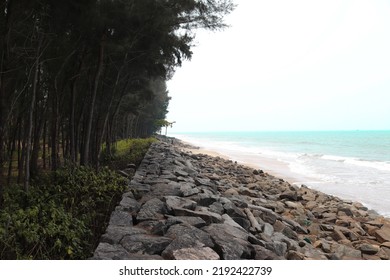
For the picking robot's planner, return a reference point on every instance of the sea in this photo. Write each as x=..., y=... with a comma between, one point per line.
x=352, y=165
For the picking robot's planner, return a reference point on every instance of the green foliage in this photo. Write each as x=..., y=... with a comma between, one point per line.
x=62, y=216
x=139, y=44
x=65, y=212
x=162, y=123
x=127, y=151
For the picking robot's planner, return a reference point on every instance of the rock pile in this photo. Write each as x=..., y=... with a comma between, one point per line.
x=192, y=206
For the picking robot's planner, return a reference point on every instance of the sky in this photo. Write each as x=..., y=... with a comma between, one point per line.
x=288, y=65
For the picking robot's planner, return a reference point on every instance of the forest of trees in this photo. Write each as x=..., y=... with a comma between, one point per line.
x=78, y=75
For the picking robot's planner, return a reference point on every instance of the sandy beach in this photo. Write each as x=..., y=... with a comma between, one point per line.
x=271, y=166
x=323, y=168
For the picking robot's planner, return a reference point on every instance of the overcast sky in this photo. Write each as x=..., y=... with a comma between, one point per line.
x=288, y=65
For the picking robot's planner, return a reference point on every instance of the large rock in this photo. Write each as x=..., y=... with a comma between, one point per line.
x=289, y=195
x=195, y=234
x=203, y=181
x=386, y=244
x=287, y=231
x=183, y=243
x=195, y=253
x=193, y=221
x=231, y=222
x=161, y=227
x=163, y=189
x=204, y=199
x=190, y=168
x=261, y=253
x=180, y=172
x=230, y=242
x=232, y=210
x=121, y=218
x=153, y=209
x=279, y=226
x=293, y=205
x=269, y=217
x=167, y=175
x=129, y=204
x=231, y=192
x=114, y=234
x=386, y=253
x=153, y=168
x=338, y=235
x=280, y=237
x=311, y=253
x=345, y=210
x=207, y=216
x=294, y=255
x=188, y=189
x=106, y=251
x=326, y=227
x=243, y=222
x=179, y=202
x=369, y=249
x=383, y=235
x=279, y=248
x=247, y=192
x=217, y=207
x=268, y=229
x=343, y=252
x=145, y=244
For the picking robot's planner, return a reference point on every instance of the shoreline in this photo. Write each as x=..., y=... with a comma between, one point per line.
x=276, y=168
x=263, y=164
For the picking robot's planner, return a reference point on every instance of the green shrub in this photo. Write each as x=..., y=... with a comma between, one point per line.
x=65, y=212
x=61, y=217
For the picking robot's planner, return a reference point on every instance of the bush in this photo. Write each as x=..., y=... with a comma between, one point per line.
x=65, y=212
x=61, y=217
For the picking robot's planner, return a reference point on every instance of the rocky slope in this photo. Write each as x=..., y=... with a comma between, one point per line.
x=191, y=206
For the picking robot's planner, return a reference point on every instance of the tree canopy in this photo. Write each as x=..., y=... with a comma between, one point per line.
x=76, y=74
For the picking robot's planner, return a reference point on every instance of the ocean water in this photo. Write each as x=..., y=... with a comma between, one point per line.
x=353, y=165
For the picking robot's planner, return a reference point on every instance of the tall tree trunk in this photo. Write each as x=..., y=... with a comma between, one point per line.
x=30, y=118
x=72, y=117
x=54, y=128
x=79, y=131
x=63, y=141
x=99, y=69
x=105, y=130
x=108, y=141
x=2, y=121
x=136, y=126
x=53, y=132
x=21, y=154
x=72, y=123
x=44, y=144
x=12, y=151
x=4, y=37
x=39, y=123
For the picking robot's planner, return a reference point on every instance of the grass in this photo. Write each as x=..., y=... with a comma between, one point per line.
x=127, y=151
